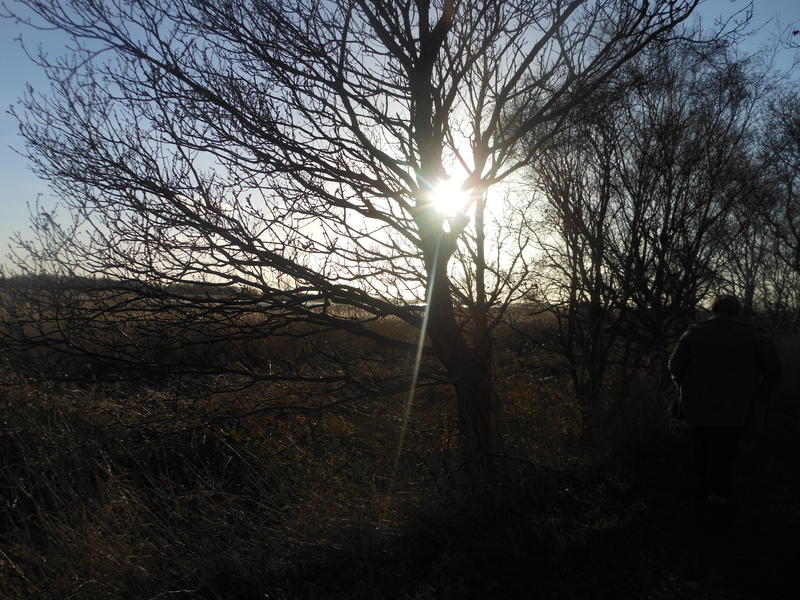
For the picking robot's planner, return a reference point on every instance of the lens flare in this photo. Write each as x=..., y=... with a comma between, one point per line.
x=449, y=198
x=413, y=384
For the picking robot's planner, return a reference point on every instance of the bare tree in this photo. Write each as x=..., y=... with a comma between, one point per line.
x=294, y=149
x=781, y=158
x=577, y=199
x=636, y=194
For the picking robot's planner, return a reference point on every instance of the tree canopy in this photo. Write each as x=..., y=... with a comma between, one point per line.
x=295, y=149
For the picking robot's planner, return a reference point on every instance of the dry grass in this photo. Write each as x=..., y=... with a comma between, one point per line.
x=120, y=491
x=129, y=491
x=124, y=492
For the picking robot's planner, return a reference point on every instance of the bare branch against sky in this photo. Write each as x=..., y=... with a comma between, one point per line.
x=21, y=186
x=298, y=150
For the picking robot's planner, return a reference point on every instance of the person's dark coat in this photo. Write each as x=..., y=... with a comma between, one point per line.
x=723, y=366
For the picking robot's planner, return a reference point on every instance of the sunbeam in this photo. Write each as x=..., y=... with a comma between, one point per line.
x=414, y=377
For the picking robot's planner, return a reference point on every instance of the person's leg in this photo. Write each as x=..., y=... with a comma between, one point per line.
x=716, y=464
x=725, y=452
x=723, y=443
x=701, y=460
x=703, y=529
x=720, y=511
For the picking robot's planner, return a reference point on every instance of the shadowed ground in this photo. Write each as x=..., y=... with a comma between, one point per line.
x=631, y=529
x=106, y=512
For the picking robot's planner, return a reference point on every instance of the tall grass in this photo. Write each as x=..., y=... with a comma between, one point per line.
x=129, y=490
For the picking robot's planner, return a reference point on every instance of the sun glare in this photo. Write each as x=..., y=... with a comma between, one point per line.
x=449, y=198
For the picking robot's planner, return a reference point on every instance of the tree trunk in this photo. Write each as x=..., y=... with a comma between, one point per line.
x=474, y=393
x=471, y=373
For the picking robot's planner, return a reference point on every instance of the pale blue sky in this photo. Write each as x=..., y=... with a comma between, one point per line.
x=19, y=186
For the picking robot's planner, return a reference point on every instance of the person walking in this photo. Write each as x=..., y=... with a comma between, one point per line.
x=724, y=368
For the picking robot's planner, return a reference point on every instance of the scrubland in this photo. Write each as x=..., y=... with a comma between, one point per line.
x=180, y=488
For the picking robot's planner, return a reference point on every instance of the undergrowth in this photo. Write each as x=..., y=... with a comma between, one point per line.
x=122, y=491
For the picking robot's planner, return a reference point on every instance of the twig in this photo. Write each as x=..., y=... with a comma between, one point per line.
x=14, y=566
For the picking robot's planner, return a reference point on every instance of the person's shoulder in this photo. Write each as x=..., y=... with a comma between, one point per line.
x=745, y=329
x=693, y=330
x=728, y=321
x=720, y=327
x=700, y=326
x=691, y=327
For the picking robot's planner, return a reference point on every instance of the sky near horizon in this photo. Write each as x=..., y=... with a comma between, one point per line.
x=19, y=187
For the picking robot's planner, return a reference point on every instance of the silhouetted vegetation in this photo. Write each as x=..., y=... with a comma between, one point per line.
x=297, y=150
x=206, y=386
x=131, y=490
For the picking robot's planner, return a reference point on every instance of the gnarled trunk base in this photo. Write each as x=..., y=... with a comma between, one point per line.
x=474, y=394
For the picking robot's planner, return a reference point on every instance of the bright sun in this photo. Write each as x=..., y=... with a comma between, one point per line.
x=449, y=198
